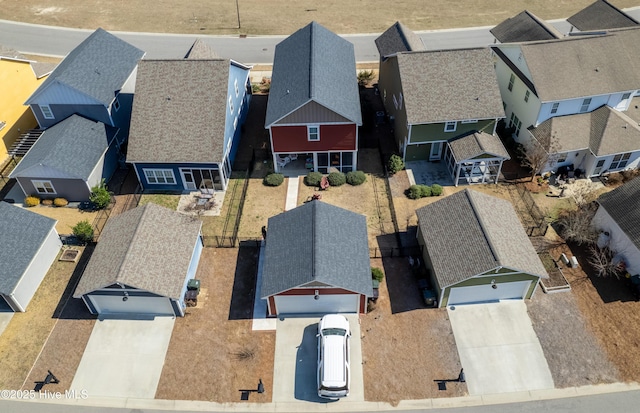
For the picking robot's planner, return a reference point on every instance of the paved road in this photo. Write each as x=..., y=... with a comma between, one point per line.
x=56, y=41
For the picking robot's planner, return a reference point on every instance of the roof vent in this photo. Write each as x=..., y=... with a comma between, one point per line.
x=597, y=69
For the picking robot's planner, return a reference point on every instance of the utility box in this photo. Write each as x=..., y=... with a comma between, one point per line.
x=574, y=262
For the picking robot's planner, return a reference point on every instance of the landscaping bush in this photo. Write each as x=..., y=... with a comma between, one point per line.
x=336, y=179
x=83, y=231
x=60, y=202
x=273, y=180
x=313, y=179
x=31, y=201
x=47, y=202
x=425, y=191
x=377, y=274
x=395, y=164
x=364, y=77
x=100, y=196
x=436, y=190
x=414, y=192
x=356, y=178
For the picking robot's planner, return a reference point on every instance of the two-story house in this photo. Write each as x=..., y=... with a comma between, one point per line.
x=186, y=121
x=601, y=15
x=313, y=111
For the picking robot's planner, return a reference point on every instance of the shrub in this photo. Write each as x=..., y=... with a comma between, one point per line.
x=425, y=191
x=356, y=178
x=336, y=179
x=100, y=196
x=31, y=201
x=395, y=164
x=83, y=231
x=364, y=77
x=436, y=190
x=414, y=192
x=377, y=274
x=47, y=202
x=60, y=202
x=273, y=180
x=313, y=179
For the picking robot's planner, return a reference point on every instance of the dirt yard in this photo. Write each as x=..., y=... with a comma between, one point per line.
x=67, y=217
x=280, y=16
x=261, y=203
x=213, y=353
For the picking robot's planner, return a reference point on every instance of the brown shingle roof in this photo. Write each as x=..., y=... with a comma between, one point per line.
x=148, y=248
x=524, y=27
x=449, y=85
x=200, y=50
x=601, y=15
x=476, y=144
x=398, y=38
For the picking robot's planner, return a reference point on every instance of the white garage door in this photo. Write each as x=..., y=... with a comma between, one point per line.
x=106, y=304
x=483, y=293
x=325, y=304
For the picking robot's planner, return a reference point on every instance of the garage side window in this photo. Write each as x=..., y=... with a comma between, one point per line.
x=159, y=176
x=44, y=187
x=47, y=112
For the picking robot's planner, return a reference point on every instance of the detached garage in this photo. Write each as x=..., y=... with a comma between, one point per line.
x=477, y=250
x=30, y=243
x=142, y=263
x=316, y=262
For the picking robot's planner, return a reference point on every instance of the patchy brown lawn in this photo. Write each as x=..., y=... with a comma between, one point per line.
x=213, y=352
x=406, y=348
x=212, y=226
x=280, y=16
x=261, y=203
x=67, y=217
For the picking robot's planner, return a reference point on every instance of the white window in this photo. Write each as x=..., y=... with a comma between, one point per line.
x=313, y=133
x=231, y=104
x=512, y=79
x=585, y=105
x=554, y=107
x=46, y=112
x=470, y=121
x=620, y=161
x=116, y=104
x=235, y=86
x=526, y=96
x=450, y=126
x=159, y=176
x=395, y=101
x=44, y=187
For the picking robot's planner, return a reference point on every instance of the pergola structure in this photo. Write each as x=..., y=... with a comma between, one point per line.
x=475, y=158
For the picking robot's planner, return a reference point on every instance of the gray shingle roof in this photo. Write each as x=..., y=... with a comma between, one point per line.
x=179, y=111
x=398, y=38
x=524, y=27
x=314, y=64
x=601, y=15
x=623, y=205
x=200, y=50
x=317, y=242
x=148, y=248
x=476, y=144
x=576, y=67
x=469, y=233
x=605, y=131
x=97, y=67
x=22, y=233
x=448, y=85
x=73, y=147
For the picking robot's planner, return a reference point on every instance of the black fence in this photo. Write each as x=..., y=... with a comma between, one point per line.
x=537, y=225
x=390, y=252
x=101, y=219
x=6, y=170
x=222, y=241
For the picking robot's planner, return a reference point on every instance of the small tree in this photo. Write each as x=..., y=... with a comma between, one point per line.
x=602, y=260
x=100, y=196
x=576, y=226
x=364, y=77
x=538, y=153
x=377, y=274
x=395, y=164
x=83, y=231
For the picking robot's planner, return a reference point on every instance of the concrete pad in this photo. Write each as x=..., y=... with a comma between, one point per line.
x=498, y=348
x=292, y=193
x=124, y=358
x=296, y=361
x=429, y=173
x=260, y=320
x=5, y=318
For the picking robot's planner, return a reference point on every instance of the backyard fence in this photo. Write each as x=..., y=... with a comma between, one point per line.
x=391, y=252
x=536, y=225
x=101, y=219
x=222, y=241
x=6, y=170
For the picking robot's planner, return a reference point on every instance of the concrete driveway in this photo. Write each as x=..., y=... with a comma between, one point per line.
x=124, y=358
x=498, y=349
x=296, y=360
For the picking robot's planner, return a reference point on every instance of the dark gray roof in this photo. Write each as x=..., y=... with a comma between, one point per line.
x=179, y=111
x=605, y=131
x=575, y=67
x=98, y=67
x=623, y=205
x=476, y=144
x=601, y=15
x=314, y=64
x=524, y=27
x=317, y=242
x=398, y=38
x=22, y=233
x=72, y=147
x=148, y=248
x=469, y=233
x=200, y=50
x=432, y=81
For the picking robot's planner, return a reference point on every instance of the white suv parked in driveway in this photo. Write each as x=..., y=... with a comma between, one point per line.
x=334, y=372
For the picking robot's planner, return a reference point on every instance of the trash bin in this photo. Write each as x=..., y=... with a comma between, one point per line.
x=193, y=285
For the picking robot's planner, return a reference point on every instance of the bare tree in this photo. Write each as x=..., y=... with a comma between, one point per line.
x=539, y=152
x=601, y=259
x=575, y=225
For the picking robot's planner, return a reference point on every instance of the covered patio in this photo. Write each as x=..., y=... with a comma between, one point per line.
x=475, y=158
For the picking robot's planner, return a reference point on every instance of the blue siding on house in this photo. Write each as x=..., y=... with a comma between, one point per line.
x=175, y=167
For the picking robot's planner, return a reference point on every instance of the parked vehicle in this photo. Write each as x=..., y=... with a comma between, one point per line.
x=428, y=294
x=334, y=371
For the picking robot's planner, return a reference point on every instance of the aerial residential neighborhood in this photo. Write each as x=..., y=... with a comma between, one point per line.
x=429, y=227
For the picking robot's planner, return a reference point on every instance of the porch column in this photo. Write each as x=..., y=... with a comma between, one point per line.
x=458, y=167
x=499, y=169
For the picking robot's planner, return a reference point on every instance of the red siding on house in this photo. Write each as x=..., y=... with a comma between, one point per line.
x=332, y=138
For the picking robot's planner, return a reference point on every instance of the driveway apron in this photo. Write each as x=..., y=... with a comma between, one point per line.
x=498, y=348
x=124, y=358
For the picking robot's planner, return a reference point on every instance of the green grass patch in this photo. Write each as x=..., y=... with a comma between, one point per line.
x=167, y=201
